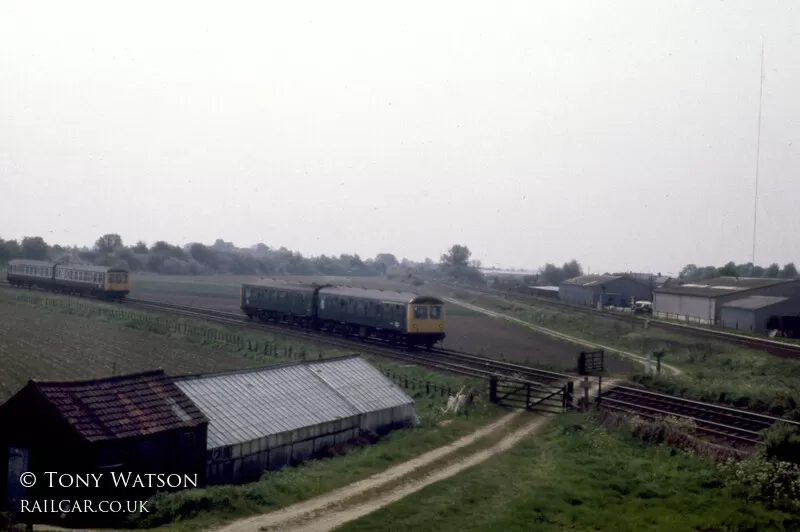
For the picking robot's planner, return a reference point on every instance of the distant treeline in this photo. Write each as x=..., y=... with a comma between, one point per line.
x=692, y=272
x=224, y=257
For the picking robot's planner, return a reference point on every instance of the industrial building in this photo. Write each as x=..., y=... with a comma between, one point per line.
x=703, y=301
x=603, y=290
x=266, y=418
x=139, y=423
x=758, y=314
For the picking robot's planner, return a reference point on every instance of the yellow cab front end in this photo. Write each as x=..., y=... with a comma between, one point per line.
x=117, y=284
x=427, y=323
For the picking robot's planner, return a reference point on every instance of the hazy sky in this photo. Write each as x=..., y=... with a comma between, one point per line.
x=622, y=134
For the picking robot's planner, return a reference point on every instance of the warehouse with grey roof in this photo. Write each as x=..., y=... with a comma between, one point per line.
x=758, y=314
x=266, y=418
x=603, y=290
x=703, y=301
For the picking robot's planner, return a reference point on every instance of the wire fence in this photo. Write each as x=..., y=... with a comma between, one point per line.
x=425, y=388
x=260, y=349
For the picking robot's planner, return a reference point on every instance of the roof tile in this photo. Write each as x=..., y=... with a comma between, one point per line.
x=122, y=407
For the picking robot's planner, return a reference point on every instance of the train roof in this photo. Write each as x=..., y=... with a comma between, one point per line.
x=91, y=268
x=383, y=295
x=294, y=286
x=28, y=262
x=71, y=266
x=349, y=291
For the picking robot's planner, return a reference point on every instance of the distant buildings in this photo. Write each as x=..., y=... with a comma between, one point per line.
x=703, y=301
x=604, y=290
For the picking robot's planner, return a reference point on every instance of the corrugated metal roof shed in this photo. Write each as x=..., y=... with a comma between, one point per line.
x=121, y=407
x=721, y=286
x=249, y=404
x=591, y=280
x=360, y=383
x=755, y=302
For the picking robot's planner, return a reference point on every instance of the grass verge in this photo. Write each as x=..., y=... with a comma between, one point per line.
x=577, y=475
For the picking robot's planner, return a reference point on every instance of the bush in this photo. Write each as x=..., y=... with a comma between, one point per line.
x=775, y=483
x=782, y=443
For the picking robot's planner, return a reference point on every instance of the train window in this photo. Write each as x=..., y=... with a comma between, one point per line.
x=420, y=312
x=436, y=313
x=102, y=278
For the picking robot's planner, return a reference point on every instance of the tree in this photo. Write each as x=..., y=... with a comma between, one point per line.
x=572, y=269
x=34, y=247
x=108, y=243
x=386, y=258
x=140, y=247
x=688, y=272
x=772, y=271
x=729, y=270
x=789, y=271
x=204, y=255
x=458, y=255
x=167, y=250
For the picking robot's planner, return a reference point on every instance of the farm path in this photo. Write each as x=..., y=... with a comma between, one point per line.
x=361, y=498
x=580, y=341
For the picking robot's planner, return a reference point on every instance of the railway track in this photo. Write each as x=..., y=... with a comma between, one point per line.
x=730, y=426
x=444, y=359
x=776, y=348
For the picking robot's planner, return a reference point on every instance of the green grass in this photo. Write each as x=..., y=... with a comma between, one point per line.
x=713, y=371
x=195, y=509
x=576, y=475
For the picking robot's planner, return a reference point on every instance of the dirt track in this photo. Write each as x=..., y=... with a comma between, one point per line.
x=359, y=499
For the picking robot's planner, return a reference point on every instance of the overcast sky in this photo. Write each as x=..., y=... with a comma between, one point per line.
x=622, y=134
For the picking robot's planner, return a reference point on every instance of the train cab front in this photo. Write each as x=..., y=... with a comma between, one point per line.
x=426, y=321
x=118, y=284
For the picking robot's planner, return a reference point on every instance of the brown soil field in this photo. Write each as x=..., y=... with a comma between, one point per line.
x=496, y=338
x=36, y=344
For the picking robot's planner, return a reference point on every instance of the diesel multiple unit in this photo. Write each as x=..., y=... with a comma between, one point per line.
x=397, y=317
x=79, y=279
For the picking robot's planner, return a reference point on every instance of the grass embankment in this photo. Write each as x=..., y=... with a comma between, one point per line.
x=578, y=475
x=713, y=371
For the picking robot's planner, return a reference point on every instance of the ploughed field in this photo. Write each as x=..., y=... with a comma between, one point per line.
x=467, y=331
x=38, y=344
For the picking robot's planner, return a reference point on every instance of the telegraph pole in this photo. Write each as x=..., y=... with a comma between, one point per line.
x=758, y=156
